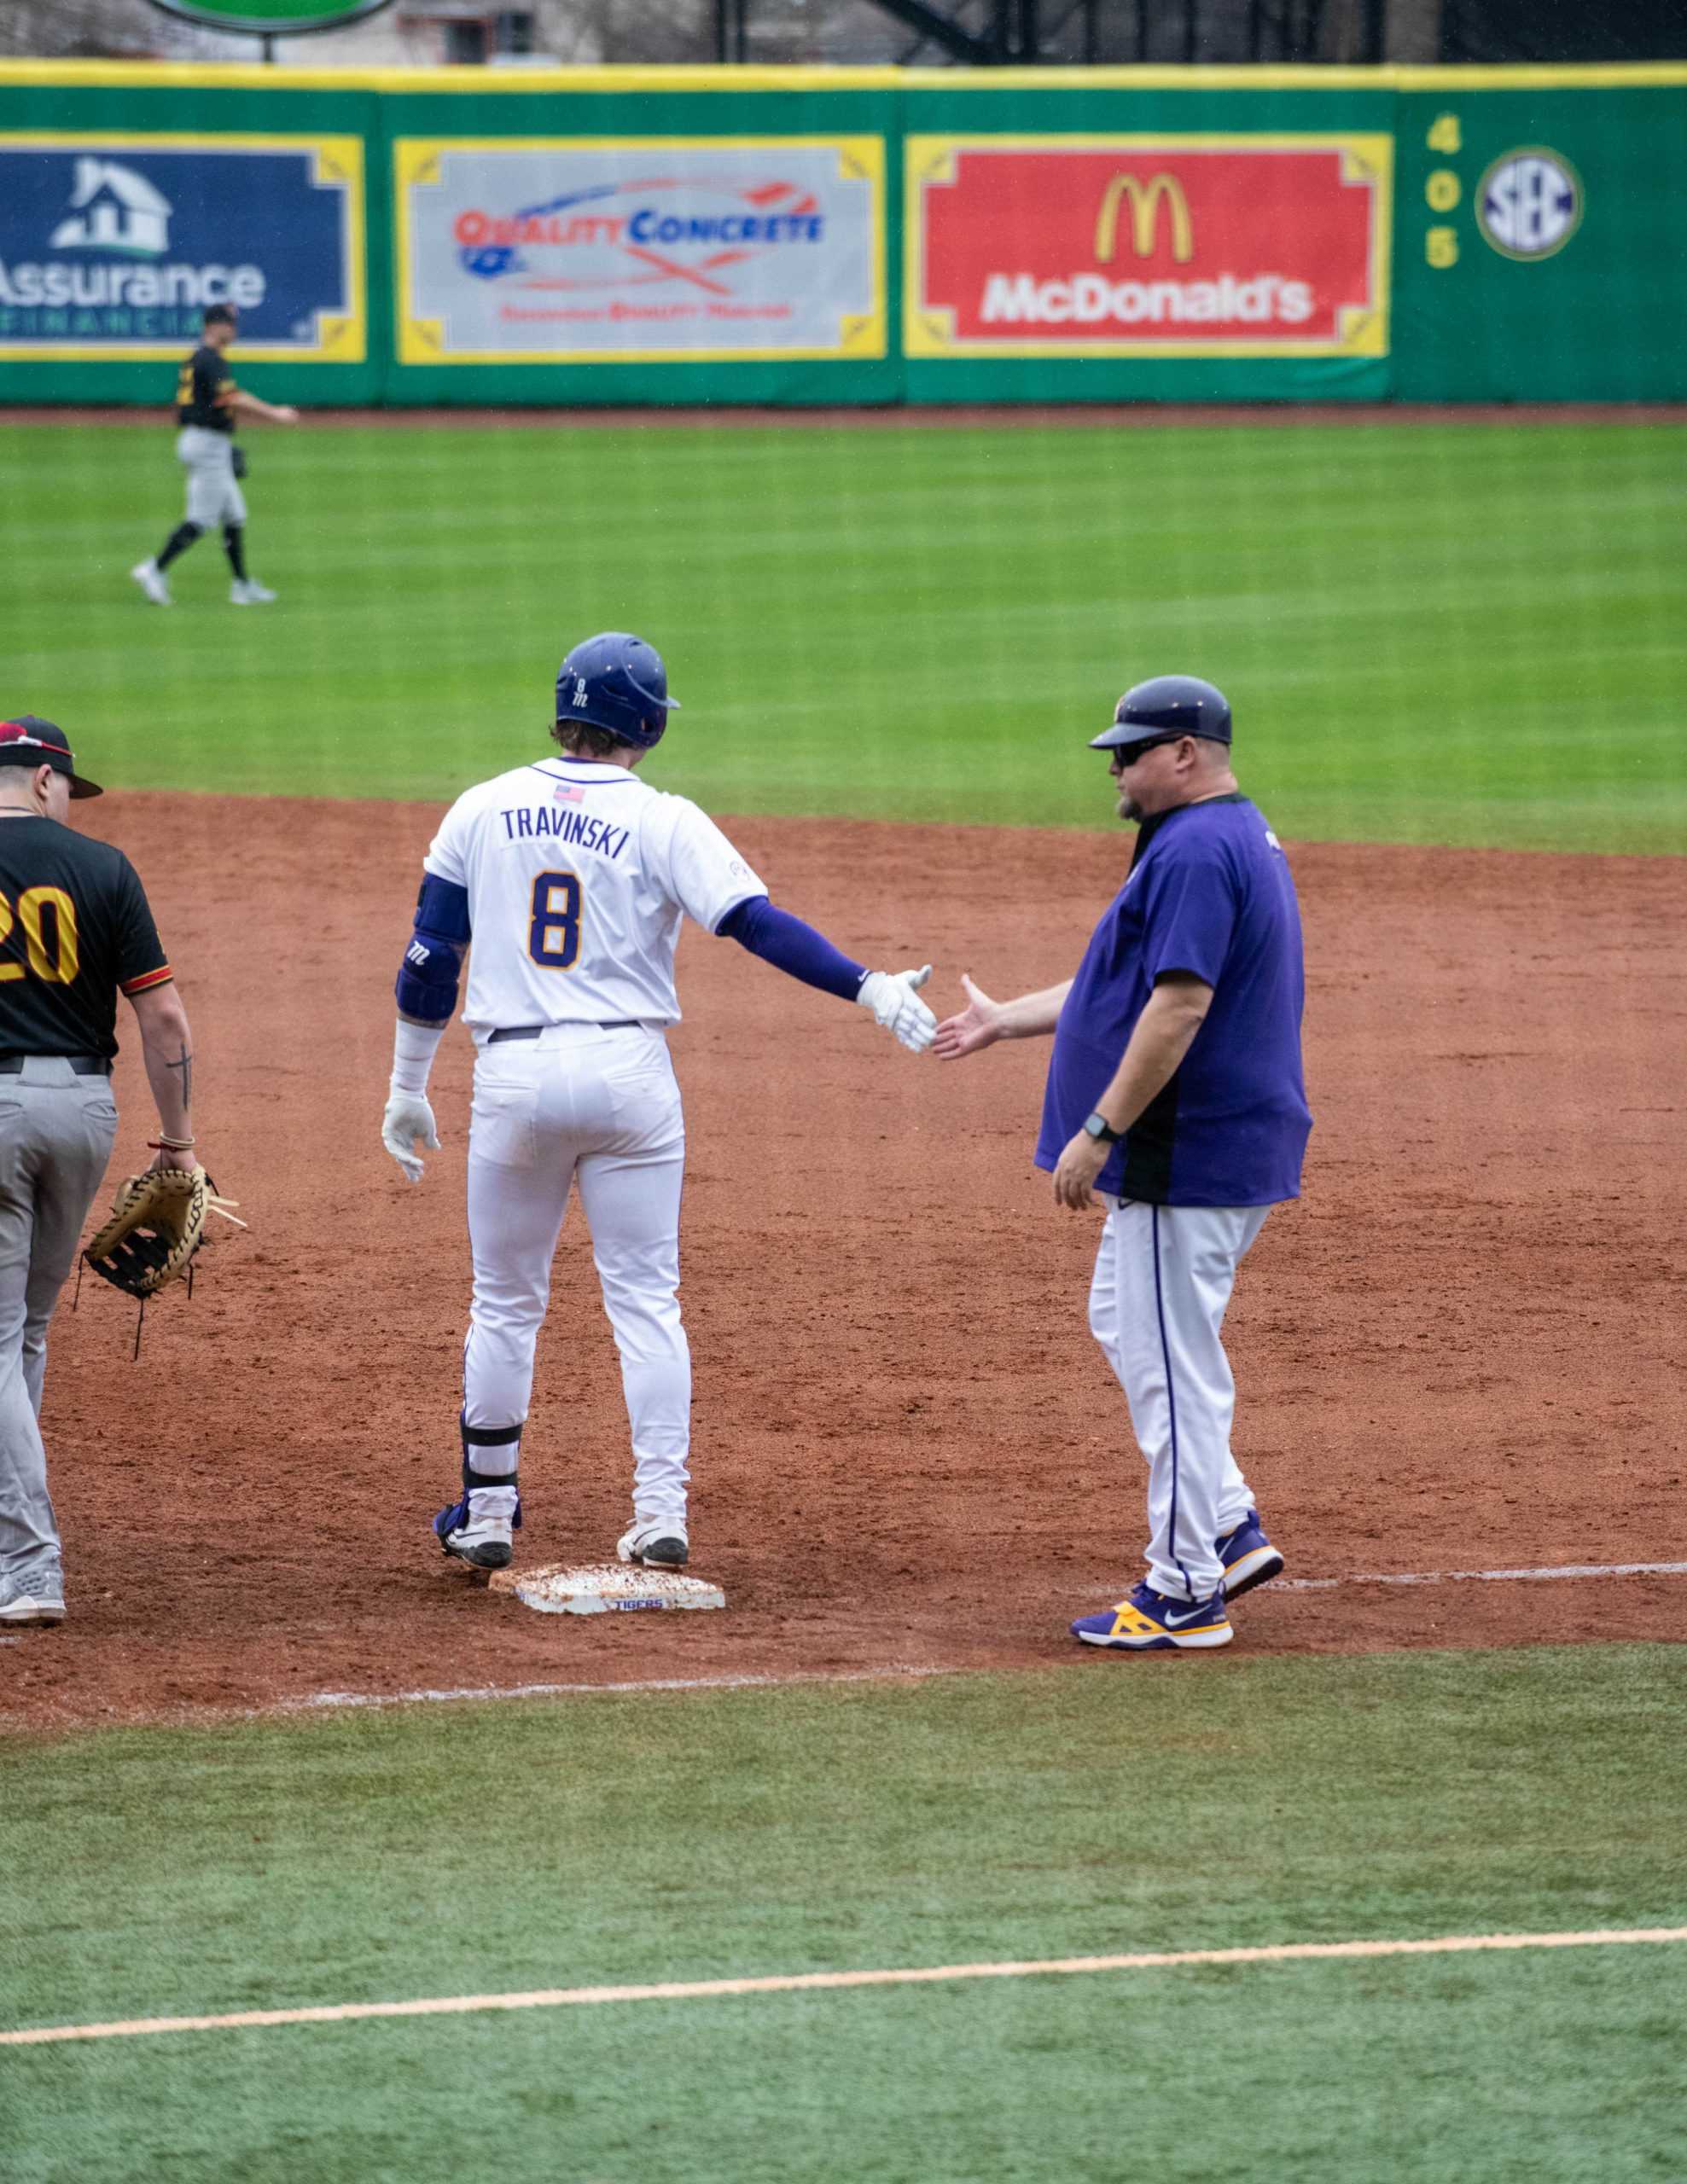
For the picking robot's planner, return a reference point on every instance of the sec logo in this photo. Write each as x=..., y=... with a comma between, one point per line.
x=1529, y=203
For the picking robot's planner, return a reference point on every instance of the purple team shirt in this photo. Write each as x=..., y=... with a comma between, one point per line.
x=1209, y=892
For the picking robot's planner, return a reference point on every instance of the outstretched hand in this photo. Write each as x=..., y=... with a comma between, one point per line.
x=894, y=999
x=978, y=1025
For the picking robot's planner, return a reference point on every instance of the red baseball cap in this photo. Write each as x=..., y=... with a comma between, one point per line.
x=29, y=740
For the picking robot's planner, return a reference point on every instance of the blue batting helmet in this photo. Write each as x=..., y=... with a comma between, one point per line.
x=1168, y=705
x=618, y=682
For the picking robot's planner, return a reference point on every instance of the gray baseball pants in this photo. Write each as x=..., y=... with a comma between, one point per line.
x=215, y=496
x=57, y=1130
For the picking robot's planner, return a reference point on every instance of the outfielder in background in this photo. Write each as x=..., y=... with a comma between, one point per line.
x=75, y=932
x=571, y=877
x=1175, y=1095
x=208, y=402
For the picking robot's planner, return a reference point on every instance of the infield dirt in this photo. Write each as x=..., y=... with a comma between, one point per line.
x=1457, y=1351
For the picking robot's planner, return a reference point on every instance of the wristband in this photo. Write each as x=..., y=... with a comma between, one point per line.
x=414, y=1047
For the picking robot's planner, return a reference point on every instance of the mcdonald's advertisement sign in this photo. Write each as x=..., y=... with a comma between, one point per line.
x=1168, y=246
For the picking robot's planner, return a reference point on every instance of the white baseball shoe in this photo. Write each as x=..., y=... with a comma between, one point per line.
x=34, y=1599
x=661, y=1546
x=150, y=578
x=249, y=592
x=484, y=1543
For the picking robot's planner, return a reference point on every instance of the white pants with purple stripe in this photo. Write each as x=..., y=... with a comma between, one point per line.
x=600, y=1108
x=1163, y=1278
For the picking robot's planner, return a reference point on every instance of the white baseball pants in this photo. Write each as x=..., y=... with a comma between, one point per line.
x=1163, y=1280
x=602, y=1107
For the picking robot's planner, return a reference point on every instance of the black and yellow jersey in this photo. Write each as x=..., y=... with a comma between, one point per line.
x=75, y=931
x=204, y=388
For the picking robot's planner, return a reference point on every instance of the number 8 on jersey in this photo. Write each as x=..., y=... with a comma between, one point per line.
x=554, y=934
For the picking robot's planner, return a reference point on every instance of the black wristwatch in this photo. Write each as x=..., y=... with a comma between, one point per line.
x=1098, y=1127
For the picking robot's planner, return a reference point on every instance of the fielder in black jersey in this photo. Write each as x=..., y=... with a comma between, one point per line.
x=208, y=403
x=205, y=391
x=75, y=932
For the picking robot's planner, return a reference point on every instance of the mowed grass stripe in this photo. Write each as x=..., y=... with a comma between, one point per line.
x=1112, y=1805
x=1131, y=1808
x=1429, y=633
x=1544, y=2065
x=698, y=1990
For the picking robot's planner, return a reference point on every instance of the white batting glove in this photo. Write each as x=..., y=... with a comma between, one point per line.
x=408, y=1118
x=893, y=997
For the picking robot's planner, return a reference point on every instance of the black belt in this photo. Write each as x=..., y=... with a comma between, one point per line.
x=532, y=1031
x=81, y=1065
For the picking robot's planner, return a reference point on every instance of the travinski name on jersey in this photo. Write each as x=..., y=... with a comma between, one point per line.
x=525, y=822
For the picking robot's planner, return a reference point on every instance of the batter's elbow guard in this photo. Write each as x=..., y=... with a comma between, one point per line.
x=427, y=983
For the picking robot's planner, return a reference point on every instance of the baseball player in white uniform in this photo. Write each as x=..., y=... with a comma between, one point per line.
x=570, y=877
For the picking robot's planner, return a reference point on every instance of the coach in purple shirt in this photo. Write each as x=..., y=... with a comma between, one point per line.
x=1175, y=1097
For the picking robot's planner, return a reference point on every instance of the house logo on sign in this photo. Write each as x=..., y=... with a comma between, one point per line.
x=115, y=210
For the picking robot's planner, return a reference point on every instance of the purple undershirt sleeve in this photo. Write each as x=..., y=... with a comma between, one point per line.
x=792, y=946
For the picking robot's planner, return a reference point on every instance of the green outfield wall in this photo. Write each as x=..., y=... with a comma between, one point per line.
x=865, y=236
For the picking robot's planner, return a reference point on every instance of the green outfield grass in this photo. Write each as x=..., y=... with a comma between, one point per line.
x=1117, y=1805
x=1455, y=634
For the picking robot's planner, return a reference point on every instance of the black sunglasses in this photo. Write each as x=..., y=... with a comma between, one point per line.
x=1123, y=756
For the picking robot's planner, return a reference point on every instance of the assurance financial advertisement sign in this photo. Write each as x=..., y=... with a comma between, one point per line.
x=113, y=246
x=636, y=251
x=1170, y=246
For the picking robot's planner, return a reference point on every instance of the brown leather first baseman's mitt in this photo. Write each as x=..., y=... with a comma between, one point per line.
x=157, y=1223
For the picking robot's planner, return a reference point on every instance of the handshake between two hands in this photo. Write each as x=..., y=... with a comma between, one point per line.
x=894, y=997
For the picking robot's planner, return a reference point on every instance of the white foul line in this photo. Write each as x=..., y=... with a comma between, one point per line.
x=697, y=1991
x=1490, y=1576
x=607, y=1690
x=893, y=1669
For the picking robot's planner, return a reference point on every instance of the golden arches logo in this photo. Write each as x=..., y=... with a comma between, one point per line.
x=1145, y=199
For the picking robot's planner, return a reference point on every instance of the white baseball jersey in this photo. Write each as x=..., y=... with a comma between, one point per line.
x=577, y=876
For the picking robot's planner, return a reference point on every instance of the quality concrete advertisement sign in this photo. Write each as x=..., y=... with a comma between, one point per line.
x=1172, y=245
x=639, y=250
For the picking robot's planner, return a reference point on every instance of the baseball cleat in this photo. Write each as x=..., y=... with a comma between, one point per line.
x=482, y=1541
x=249, y=592
x=1248, y=1557
x=43, y=1602
x=150, y=579
x=661, y=1546
x=1154, y=1622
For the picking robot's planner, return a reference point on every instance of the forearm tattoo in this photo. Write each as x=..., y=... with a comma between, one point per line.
x=185, y=1066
